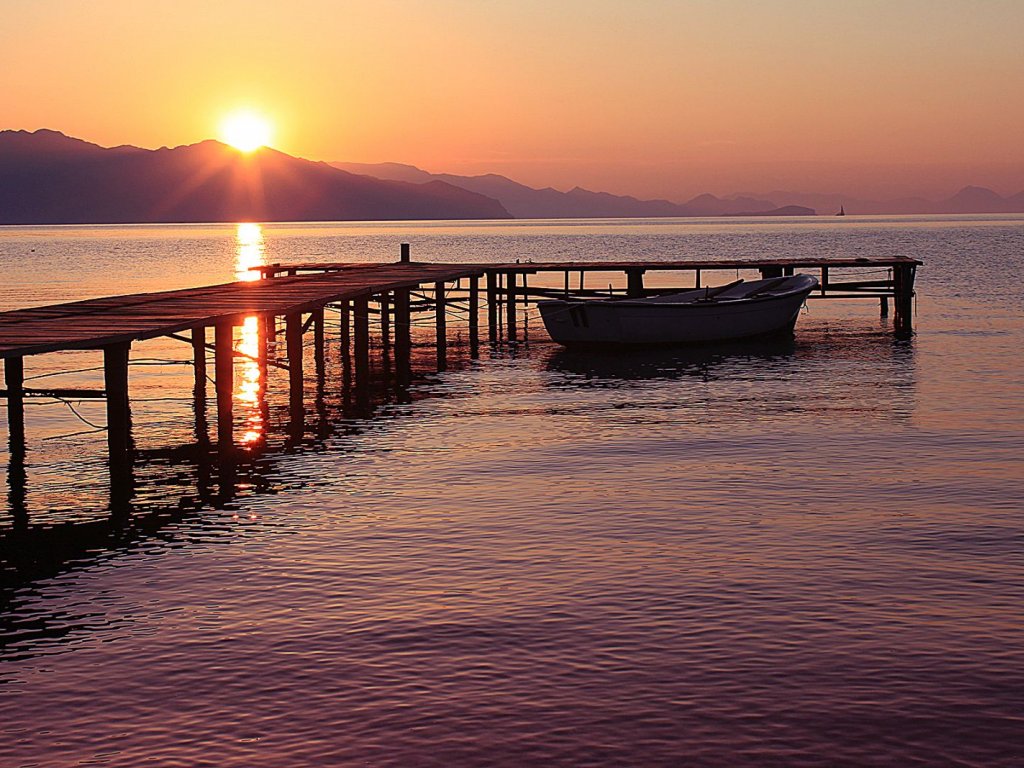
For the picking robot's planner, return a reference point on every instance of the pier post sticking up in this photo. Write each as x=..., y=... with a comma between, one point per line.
x=903, y=285
x=404, y=253
x=635, y=283
x=510, y=307
x=361, y=340
x=441, y=325
x=296, y=380
x=224, y=384
x=474, y=317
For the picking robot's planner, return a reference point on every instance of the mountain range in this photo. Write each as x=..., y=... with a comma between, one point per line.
x=47, y=177
x=525, y=202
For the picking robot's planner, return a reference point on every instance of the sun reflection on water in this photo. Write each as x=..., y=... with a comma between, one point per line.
x=249, y=390
x=249, y=386
x=250, y=250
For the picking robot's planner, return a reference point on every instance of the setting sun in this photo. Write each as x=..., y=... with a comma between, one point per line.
x=245, y=131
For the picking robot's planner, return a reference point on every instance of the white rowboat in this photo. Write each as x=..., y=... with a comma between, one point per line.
x=739, y=310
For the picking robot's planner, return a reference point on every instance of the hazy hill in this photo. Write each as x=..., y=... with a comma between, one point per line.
x=967, y=200
x=525, y=202
x=49, y=178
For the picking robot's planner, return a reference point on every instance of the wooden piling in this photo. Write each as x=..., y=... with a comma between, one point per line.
x=269, y=323
x=224, y=384
x=115, y=383
x=474, y=317
x=404, y=253
x=441, y=326
x=17, y=476
x=199, y=362
x=199, y=386
x=384, y=300
x=319, y=345
x=296, y=380
x=403, y=337
x=361, y=339
x=510, y=305
x=492, y=307
x=903, y=286
x=14, y=378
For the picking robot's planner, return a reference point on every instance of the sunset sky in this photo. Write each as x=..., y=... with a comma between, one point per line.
x=665, y=99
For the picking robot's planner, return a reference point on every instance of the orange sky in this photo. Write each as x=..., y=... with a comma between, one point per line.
x=655, y=98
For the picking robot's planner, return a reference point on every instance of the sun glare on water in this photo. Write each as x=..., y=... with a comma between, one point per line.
x=245, y=131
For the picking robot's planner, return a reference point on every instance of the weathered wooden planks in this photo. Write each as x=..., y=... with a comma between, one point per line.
x=119, y=319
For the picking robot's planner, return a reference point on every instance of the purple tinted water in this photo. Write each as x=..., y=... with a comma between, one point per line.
x=786, y=554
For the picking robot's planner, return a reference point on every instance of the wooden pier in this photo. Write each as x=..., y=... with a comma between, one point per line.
x=291, y=300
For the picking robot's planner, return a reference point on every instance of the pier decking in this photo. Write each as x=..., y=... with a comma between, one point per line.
x=300, y=293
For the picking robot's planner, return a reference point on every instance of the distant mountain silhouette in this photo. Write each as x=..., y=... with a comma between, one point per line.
x=525, y=202
x=49, y=178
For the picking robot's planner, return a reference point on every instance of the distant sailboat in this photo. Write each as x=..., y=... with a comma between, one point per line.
x=842, y=210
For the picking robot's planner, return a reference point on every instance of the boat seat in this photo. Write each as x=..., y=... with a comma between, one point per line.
x=748, y=290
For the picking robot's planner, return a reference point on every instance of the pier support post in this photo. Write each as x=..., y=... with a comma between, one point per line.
x=635, y=283
x=384, y=300
x=474, y=317
x=115, y=382
x=296, y=381
x=404, y=253
x=441, y=325
x=345, y=336
x=510, y=306
x=17, y=477
x=14, y=378
x=262, y=374
x=492, y=307
x=903, y=280
x=269, y=323
x=224, y=384
x=403, y=337
x=361, y=340
x=319, y=347
x=199, y=385
x=199, y=363
x=883, y=306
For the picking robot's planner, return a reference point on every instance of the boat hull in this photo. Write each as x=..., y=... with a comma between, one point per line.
x=585, y=323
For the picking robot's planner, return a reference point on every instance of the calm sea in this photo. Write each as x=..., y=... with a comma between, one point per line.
x=806, y=553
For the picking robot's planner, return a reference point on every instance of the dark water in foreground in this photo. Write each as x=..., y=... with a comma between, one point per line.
x=805, y=553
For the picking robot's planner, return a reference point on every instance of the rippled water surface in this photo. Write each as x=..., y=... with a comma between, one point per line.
x=782, y=554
